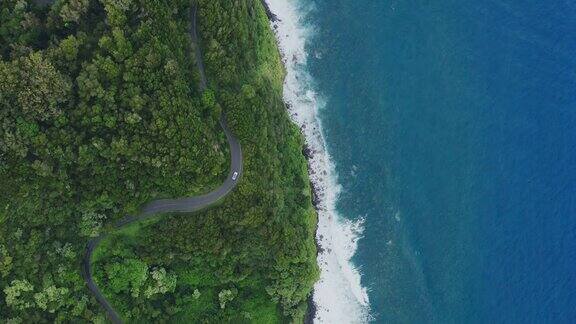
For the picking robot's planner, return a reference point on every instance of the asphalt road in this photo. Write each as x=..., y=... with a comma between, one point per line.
x=180, y=205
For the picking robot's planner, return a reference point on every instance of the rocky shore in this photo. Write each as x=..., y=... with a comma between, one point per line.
x=311, y=311
x=271, y=16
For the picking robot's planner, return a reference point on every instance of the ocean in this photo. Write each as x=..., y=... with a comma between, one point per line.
x=444, y=141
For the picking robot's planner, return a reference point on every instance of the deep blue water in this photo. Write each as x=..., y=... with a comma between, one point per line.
x=452, y=124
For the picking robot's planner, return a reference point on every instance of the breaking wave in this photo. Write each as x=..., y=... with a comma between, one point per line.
x=338, y=296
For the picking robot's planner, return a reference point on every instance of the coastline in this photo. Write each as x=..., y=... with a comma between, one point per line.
x=338, y=295
x=311, y=310
x=308, y=154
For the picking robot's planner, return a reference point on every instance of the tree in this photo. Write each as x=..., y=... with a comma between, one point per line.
x=248, y=91
x=163, y=283
x=91, y=223
x=69, y=47
x=18, y=294
x=226, y=295
x=40, y=90
x=72, y=10
x=5, y=260
x=127, y=276
x=51, y=298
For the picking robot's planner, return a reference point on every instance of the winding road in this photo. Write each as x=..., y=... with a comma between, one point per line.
x=181, y=205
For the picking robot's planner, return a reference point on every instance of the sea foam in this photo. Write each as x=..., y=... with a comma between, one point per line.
x=338, y=295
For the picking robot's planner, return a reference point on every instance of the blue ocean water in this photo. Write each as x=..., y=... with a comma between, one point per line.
x=452, y=125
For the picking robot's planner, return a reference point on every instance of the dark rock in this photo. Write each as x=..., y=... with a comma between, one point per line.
x=315, y=196
x=307, y=152
x=319, y=248
x=311, y=313
x=271, y=16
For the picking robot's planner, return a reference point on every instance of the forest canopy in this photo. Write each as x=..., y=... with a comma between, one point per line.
x=100, y=113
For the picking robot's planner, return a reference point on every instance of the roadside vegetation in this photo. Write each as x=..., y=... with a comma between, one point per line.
x=100, y=113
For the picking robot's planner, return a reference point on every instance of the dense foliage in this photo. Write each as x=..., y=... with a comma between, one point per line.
x=99, y=113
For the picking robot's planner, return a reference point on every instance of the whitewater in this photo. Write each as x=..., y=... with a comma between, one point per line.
x=338, y=296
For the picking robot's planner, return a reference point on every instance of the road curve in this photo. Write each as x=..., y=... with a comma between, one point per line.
x=180, y=205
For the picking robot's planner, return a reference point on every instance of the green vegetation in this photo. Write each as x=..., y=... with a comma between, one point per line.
x=99, y=113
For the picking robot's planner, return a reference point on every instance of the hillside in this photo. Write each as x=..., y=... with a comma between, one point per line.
x=100, y=112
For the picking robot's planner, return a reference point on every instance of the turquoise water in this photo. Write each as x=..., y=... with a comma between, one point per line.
x=452, y=125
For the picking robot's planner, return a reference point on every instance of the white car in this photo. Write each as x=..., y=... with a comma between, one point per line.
x=234, y=176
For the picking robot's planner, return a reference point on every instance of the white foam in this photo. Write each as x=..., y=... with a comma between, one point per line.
x=338, y=295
